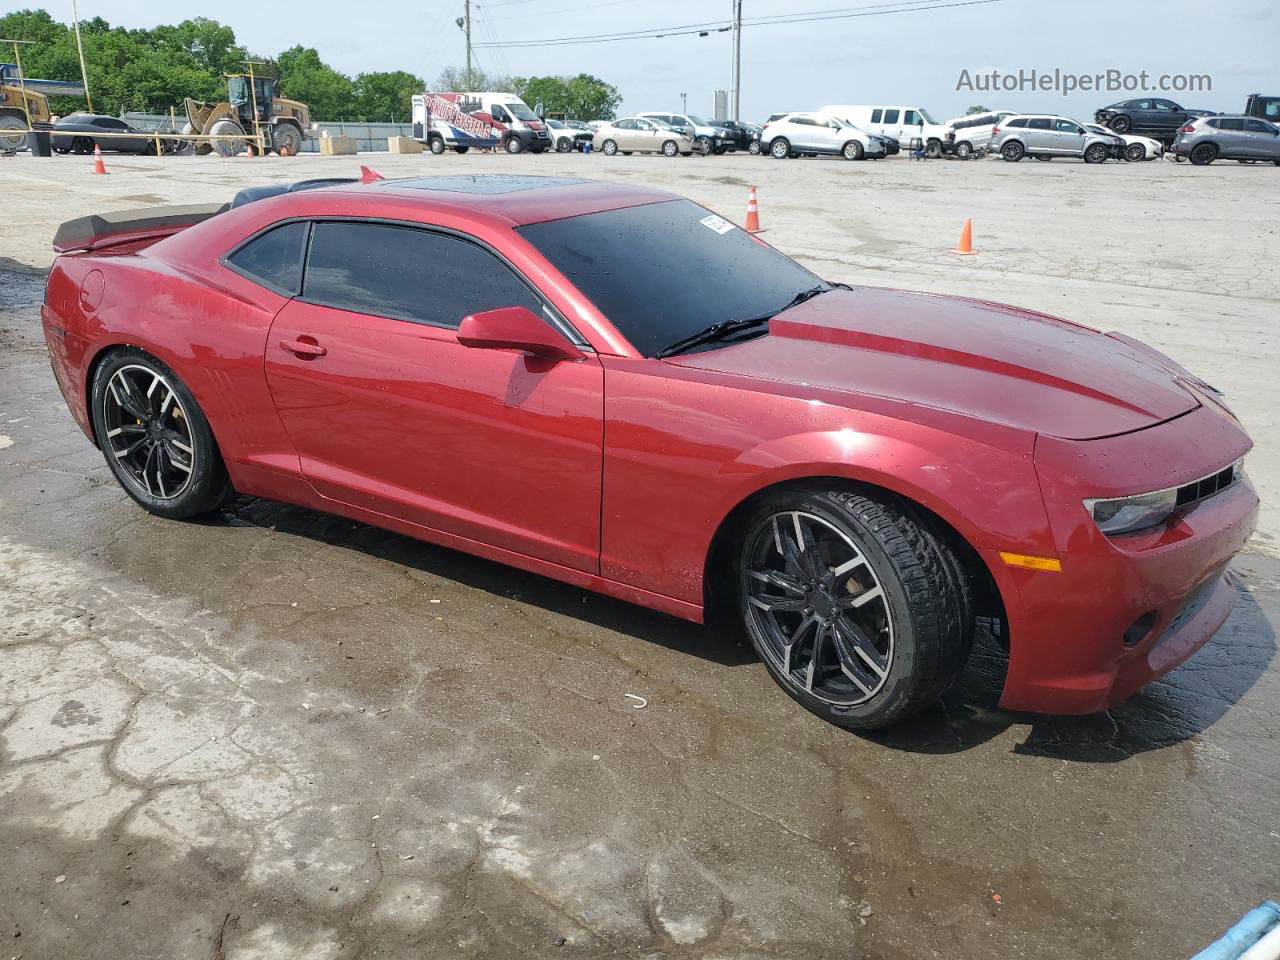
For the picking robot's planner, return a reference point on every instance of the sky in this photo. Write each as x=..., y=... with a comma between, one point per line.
x=912, y=59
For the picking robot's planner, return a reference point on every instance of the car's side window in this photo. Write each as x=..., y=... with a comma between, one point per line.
x=274, y=258
x=1020, y=122
x=912, y=119
x=1257, y=126
x=1039, y=123
x=1230, y=123
x=891, y=116
x=407, y=273
x=1066, y=126
x=876, y=114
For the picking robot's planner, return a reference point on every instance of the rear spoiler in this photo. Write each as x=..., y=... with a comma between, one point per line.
x=123, y=226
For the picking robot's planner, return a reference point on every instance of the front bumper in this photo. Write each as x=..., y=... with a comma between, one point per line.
x=1074, y=647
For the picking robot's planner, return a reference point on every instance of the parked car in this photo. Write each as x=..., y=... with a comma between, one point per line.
x=900, y=123
x=839, y=469
x=1132, y=148
x=710, y=137
x=972, y=132
x=741, y=134
x=641, y=135
x=81, y=132
x=814, y=134
x=1147, y=116
x=1046, y=136
x=567, y=136
x=1206, y=139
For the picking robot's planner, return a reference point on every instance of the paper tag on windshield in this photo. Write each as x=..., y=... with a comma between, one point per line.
x=719, y=224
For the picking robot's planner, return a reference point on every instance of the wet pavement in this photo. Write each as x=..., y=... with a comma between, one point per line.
x=280, y=734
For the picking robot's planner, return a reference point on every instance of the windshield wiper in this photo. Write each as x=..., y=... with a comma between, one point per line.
x=725, y=328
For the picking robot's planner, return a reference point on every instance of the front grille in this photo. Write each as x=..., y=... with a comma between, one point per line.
x=1198, y=490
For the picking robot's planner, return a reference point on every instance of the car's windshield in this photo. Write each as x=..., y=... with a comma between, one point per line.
x=698, y=121
x=555, y=124
x=663, y=271
x=521, y=111
x=925, y=113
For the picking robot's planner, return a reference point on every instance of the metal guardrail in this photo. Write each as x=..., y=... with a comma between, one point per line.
x=368, y=136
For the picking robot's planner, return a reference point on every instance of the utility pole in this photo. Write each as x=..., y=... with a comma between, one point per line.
x=466, y=13
x=84, y=74
x=737, y=59
x=684, y=103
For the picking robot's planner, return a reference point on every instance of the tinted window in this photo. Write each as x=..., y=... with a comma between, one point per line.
x=891, y=116
x=875, y=115
x=662, y=271
x=1038, y=123
x=274, y=258
x=1020, y=122
x=1257, y=126
x=912, y=119
x=407, y=274
x=110, y=123
x=1230, y=123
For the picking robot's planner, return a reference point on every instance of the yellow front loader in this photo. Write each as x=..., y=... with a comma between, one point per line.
x=252, y=110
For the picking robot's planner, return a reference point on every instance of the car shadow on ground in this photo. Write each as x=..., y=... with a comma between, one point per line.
x=1176, y=708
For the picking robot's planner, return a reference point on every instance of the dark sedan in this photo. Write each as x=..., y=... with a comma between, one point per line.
x=81, y=132
x=1147, y=117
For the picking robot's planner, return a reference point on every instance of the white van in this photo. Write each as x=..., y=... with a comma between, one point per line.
x=902, y=123
x=486, y=118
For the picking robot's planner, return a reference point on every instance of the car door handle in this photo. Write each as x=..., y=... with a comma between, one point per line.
x=302, y=348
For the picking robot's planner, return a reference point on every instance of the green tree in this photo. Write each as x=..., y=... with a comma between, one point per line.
x=455, y=80
x=583, y=97
x=386, y=96
x=304, y=76
x=976, y=109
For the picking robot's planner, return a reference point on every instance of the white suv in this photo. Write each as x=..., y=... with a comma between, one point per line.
x=904, y=124
x=972, y=132
x=810, y=134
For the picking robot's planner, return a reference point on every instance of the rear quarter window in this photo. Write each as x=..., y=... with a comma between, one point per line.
x=273, y=259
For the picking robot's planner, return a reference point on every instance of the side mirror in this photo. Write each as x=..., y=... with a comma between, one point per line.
x=516, y=328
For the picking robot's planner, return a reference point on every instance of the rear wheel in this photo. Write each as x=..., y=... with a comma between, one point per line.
x=155, y=438
x=1013, y=151
x=1042, y=156
x=82, y=145
x=964, y=149
x=856, y=604
x=1121, y=124
x=456, y=149
x=9, y=138
x=1204, y=154
x=780, y=149
x=1135, y=152
x=609, y=148
x=198, y=147
x=286, y=140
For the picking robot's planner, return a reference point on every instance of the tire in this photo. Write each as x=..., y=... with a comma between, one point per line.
x=703, y=144
x=9, y=138
x=513, y=145
x=563, y=145
x=1276, y=162
x=1134, y=152
x=627, y=153
x=1204, y=154
x=609, y=148
x=670, y=148
x=200, y=148
x=1013, y=151
x=933, y=150
x=82, y=146
x=1042, y=156
x=779, y=148
x=436, y=145
x=853, y=151
x=227, y=128
x=458, y=150
x=1121, y=124
x=753, y=148
x=286, y=139
x=882, y=658
x=1096, y=153
x=964, y=150
x=201, y=484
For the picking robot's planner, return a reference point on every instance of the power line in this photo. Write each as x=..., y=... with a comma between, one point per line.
x=548, y=13
x=724, y=26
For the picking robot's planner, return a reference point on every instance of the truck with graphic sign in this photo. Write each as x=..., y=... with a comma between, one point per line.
x=487, y=119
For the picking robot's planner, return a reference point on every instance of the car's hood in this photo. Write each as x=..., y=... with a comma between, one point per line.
x=1004, y=365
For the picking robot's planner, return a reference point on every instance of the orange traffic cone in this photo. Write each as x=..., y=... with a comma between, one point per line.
x=966, y=239
x=753, y=213
x=98, y=166
x=369, y=176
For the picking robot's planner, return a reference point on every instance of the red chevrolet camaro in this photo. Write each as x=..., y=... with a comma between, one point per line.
x=614, y=387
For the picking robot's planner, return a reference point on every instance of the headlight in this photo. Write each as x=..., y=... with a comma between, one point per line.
x=1131, y=514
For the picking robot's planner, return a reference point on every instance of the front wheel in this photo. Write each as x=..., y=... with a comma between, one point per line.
x=853, y=151
x=753, y=148
x=10, y=137
x=227, y=128
x=1135, y=152
x=934, y=149
x=857, y=605
x=513, y=145
x=1013, y=151
x=1096, y=153
x=155, y=438
x=564, y=145
x=780, y=149
x=670, y=148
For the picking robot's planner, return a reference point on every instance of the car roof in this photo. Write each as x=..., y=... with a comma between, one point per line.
x=516, y=199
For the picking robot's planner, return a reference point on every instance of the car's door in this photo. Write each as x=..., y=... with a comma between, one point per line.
x=1231, y=138
x=1264, y=140
x=1166, y=117
x=1039, y=136
x=390, y=413
x=647, y=135
x=1068, y=138
x=891, y=125
x=912, y=124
